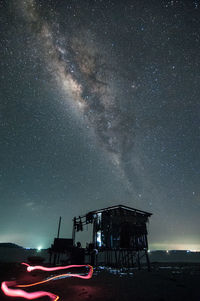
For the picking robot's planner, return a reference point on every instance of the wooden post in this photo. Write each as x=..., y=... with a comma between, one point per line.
x=59, y=227
x=146, y=253
x=138, y=260
x=54, y=259
x=94, y=240
x=148, y=261
x=74, y=231
x=116, y=261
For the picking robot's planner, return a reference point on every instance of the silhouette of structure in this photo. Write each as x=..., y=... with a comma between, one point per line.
x=60, y=247
x=63, y=250
x=119, y=235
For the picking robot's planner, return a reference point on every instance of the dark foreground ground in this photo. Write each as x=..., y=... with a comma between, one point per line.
x=166, y=281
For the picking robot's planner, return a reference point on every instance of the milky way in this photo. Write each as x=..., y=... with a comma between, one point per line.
x=86, y=78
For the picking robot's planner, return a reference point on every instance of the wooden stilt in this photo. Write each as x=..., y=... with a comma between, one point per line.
x=138, y=260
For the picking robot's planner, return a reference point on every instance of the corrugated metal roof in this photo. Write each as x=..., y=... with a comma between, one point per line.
x=121, y=207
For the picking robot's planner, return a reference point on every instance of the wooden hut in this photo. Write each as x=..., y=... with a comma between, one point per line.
x=119, y=234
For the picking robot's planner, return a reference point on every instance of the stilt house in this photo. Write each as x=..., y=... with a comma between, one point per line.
x=120, y=232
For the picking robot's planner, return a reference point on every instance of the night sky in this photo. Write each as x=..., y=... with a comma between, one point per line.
x=99, y=106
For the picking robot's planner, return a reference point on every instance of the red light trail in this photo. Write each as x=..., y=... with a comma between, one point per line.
x=12, y=292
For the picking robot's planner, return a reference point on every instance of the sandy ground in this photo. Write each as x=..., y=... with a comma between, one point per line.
x=177, y=281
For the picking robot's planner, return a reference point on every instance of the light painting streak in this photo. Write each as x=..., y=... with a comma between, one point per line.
x=34, y=295
x=21, y=293
x=42, y=268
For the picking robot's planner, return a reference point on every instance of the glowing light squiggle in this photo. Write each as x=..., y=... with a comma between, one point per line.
x=34, y=295
x=39, y=267
x=21, y=293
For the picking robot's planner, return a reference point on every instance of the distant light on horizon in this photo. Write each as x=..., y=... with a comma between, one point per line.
x=179, y=247
x=39, y=248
